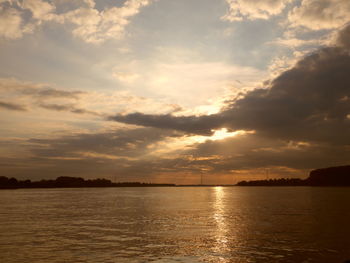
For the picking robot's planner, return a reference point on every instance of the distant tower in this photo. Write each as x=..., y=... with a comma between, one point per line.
x=267, y=173
x=201, y=179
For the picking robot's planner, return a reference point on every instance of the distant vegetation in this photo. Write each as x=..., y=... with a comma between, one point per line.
x=68, y=182
x=332, y=176
x=273, y=182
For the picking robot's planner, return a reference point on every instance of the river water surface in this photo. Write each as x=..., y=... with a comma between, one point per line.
x=175, y=224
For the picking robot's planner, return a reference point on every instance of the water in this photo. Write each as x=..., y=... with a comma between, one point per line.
x=188, y=224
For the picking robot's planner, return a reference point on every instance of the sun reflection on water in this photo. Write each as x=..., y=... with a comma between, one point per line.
x=221, y=238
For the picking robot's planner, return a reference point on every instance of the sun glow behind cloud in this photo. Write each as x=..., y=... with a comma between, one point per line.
x=186, y=142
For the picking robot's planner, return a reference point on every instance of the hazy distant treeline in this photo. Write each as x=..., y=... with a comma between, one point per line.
x=274, y=182
x=332, y=176
x=66, y=182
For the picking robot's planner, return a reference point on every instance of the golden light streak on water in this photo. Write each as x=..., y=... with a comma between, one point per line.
x=221, y=244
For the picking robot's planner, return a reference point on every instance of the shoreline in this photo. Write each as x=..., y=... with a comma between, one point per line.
x=182, y=186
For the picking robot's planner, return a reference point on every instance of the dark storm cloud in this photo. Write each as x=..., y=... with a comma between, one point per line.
x=192, y=124
x=11, y=106
x=311, y=101
x=343, y=38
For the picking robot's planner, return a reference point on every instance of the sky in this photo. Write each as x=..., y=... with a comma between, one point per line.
x=173, y=90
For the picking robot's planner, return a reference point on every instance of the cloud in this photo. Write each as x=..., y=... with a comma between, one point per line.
x=89, y=24
x=190, y=124
x=95, y=26
x=11, y=85
x=46, y=92
x=255, y=151
x=10, y=23
x=320, y=14
x=296, y=42
x=121, y=142
x=122, y=152
x=254, y=9
x=125, y=77
x=80, y=102
x=14, y=21
x=343, y=38
x=295, y=116
x=309, y=102
x=11, y=106
x=40, y=95
x=41, y=10
x=69, y=108
x=127, y=154
x=170, y=71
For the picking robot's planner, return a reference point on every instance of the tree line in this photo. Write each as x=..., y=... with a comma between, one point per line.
x=68, y=182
